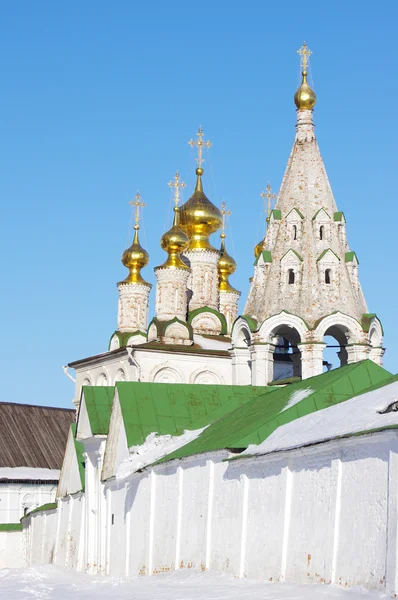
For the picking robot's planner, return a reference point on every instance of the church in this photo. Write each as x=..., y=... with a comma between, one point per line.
x=206, y=439
x=305, y=286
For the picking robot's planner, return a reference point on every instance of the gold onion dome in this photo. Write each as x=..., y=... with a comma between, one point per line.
x=226, y=266
x=199, y=217
x=174, y=241
x=305, y=97
x=135, y=258
x=258, y=249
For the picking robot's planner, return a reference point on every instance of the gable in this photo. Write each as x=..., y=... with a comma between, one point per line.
x=116, y=444
x=328, y=256
x=321, y=215
x=95, y=411
x=294, y=215
x=291, y=255
x=72, y=477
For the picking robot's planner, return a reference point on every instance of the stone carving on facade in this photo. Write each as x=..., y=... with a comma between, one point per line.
x=207, y=323
x=171, y=294
x=229, y=307
x=203, y=281
x=133, y=306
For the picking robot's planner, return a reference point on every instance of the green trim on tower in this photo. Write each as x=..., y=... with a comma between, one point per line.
x=267, y=257
x=124, y=337
x=276, y=214
x=349, y=257
x=204, y=309
x=161, y=326
x=339, y=216
x=251, y=321
x=367, y=319
x=318, y=211
x=296, y=253
x=325, y=252
x=297, y=211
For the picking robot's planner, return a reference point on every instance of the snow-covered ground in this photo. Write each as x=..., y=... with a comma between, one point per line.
x=53, y=583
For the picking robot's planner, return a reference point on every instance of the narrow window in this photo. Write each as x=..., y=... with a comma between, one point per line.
x=327, y=276
x=295, y=232
x=113, y=519
x=291, y=276
x=321, y=232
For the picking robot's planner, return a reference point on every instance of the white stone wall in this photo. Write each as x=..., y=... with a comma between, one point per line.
x=171, y=294
x=203, y=280
x=11, y=550
x=321, y=514
x=133, y=306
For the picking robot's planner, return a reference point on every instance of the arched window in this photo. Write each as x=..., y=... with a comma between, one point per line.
x=321, y=232
x=295, y=232
x=327, y=276
x=290, y=276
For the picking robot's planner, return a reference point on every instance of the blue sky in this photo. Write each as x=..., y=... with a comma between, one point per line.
x=98, y=99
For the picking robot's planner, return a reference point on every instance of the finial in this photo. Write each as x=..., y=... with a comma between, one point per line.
x=138, y=204
x=305, y=54
x=176, y=185
x=200, y=143
x=270, y=196
x=225, y=213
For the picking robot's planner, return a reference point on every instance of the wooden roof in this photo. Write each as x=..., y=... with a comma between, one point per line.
x=33, y=436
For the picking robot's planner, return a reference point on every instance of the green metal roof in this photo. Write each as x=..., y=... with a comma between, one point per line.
x=253, y=422
x=10, y=526
x=338, y=216
x=99, y=406
x=320, y=210
x=169, y=408
x=276, y=214
x=79, y=449
x=349, y=257
x=267, y=257
x=297, y=211
x=48, y=506
x=296, y=253
x=324, y=253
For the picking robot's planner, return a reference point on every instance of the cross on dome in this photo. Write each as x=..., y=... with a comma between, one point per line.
x=225, y=213
x=305, y=54
x=138, y=204
x=200, y=143
x=270, y=196
x=176, y=185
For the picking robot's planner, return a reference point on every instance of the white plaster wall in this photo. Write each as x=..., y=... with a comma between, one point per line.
x=11, y=549
x=13, y=496
x=322, y=514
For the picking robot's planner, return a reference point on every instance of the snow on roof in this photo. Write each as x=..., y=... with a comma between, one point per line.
x=361, y=414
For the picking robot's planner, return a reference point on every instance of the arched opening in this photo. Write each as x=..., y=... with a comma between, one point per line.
x=321, y=232
x=287, y=356
x=335, y=354
x=290, y=276
x=328, y=274
x=295, y=232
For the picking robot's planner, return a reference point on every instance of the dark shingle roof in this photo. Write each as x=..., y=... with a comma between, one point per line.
x=33, y=436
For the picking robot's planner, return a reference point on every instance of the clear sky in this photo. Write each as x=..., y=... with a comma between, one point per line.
x=100, y=98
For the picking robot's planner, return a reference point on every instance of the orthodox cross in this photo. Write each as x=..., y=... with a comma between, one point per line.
x=177, y=185
x=200, y=143
x=270, y=196
x=138, y=204
x=305, y=54
x=225, y=213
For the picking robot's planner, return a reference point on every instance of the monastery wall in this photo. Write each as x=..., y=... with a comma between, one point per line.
x=326, y=513
x=11, y=549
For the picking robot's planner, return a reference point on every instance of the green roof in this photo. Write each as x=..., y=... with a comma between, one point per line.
x=257, y=419
x=296, y=253
x=99, y=401
x=251, y=321
x=276, y=214
x=297, y=211
x=124, y=337
x=48, y=506
x=338, y=216
x=349, y=257
x=318, y=211
x=79, y=449
x=169, y=408
x=325, y=252
x=267, y=257
x=10, y=526
x=207, y=309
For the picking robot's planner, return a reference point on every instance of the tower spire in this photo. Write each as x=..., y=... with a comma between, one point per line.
x=305, y=97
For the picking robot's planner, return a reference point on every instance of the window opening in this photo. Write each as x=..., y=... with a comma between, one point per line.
x=321, y=232
x=327, y=276
x=295, y=232
x=291, y=276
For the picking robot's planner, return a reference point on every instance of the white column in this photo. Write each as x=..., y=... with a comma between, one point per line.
x=311, y=359
x=376, y=354
x=241, y=366
x=229, y=307
x=133, y=306
x=171, y=293
x=203, y=281
x=262, y=364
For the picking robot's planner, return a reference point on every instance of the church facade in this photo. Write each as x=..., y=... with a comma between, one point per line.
x=305, y=286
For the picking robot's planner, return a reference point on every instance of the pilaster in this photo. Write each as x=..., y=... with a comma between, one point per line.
x=241, y=366
x=262, y=364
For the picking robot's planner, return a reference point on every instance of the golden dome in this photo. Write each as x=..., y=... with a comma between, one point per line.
x=199, y=217
x=258, y=249
x=174, y=242
x=135, y=258
x=305, y=97
x=226, y=266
